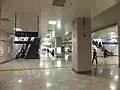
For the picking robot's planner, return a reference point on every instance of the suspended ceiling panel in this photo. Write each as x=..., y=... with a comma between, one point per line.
x=58, y=2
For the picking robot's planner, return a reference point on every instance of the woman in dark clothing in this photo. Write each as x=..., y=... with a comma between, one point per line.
x=95, y=56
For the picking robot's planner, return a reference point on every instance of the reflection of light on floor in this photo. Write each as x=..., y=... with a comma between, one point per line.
x=46, y=65
x=19, y=81
x=112, y=87
x=41, y=64
x=66, y=57
x=59, y=64
x=111, y=73
x=47, y=73
x=116, y=77
x=48, y=85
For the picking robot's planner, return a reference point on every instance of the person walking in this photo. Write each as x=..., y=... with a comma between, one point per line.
x=95, y=56
x=105, y=53
x=53, y=52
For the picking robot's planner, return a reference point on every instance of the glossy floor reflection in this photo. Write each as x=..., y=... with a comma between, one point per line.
x=103, y=77
x=55, y=79
x=112, y=60
x=45, y=61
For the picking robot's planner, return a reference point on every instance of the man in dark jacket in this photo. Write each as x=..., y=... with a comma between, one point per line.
x=95, y=56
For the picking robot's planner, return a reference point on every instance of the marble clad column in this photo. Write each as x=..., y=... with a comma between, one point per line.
x=81, y=45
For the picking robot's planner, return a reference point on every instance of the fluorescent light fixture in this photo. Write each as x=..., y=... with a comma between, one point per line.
x=111, y=33
x=52, y=22
x=17, y=29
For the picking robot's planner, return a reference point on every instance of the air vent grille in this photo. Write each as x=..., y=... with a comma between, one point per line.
x=58, y=3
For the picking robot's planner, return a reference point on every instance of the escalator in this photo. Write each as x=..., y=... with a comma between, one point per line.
x=33, y=49
x=102, y=48
x=30, y=49
x=23, y=50
x=30, y=46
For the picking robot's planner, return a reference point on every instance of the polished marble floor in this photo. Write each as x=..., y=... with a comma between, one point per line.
x=46, y=61
x=55, y=79
x=43, y=62
x=103, y=77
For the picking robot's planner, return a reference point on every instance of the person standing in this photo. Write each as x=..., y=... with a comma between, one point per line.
x=95, y=56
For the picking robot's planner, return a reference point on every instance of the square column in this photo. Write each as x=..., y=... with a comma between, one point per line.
x=81, y=45
x=119, y=44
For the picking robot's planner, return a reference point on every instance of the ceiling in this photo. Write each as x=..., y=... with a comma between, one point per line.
x=28, y=10
x=105, y=33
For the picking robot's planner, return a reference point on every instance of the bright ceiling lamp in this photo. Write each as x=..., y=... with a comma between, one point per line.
x=111, y=33
x=52, y=22
x=17, y=29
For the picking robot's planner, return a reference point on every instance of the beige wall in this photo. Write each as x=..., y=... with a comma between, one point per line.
x=5, y=46
x=100, y=6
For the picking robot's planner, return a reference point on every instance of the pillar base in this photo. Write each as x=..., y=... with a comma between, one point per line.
x=83, y=72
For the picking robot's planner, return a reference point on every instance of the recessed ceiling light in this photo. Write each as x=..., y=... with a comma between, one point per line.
x=52, y=22
x=17, y=29
x=111, y=33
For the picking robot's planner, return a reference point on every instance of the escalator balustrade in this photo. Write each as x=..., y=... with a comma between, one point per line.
x=110, y=53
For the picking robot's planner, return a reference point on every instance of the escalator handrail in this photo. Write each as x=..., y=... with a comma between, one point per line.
x=27, y=50
x=103, y=48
